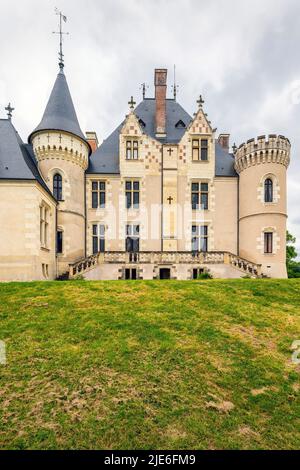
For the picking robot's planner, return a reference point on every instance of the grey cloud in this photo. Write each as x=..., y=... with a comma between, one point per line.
x=242, y=55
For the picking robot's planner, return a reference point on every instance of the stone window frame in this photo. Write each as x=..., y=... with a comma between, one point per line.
x=200, y=182
x=268, y=243
x=57, y=186
x=99, y=192
x=275, y=242
x=45, y=214
x=65, y=182
x=62, y=253
x=198, y=148
x=100, y=235
x=132, y=148
x=45, y=270
x=199, y=236
x=132, y=193
x=276, y=189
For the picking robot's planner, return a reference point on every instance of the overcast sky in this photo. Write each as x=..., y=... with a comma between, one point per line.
x=241, y=55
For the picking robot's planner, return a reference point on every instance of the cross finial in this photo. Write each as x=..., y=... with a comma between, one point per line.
x=144, y=86
x=200, y=102
x=132, y=103
x=9, y=110
x=61, y=33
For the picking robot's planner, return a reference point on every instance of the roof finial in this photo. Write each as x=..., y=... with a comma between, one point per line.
x=175, y=87
x=9, y=110
x=234, y=147
x=200, y=102
x=132, y=104
x=61, y=33
x=144, y=86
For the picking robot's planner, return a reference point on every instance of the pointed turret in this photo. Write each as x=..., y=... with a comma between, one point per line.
x=60, y=114
x=62, y=153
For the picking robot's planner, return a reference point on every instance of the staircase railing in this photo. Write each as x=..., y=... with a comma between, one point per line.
x=182, y=257
x=81, y=267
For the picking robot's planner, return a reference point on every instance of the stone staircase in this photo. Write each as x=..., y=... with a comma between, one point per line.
x=80, y=268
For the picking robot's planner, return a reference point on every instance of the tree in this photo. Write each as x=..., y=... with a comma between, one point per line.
x=293, y=268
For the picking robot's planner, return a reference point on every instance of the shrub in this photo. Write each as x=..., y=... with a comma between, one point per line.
x=205, y=275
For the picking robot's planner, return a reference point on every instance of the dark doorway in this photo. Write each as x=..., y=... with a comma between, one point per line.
x=165, y=273
x=130, y=273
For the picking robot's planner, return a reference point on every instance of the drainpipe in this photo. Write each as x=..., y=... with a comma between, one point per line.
x=162, y=196
x=85, y=213
x=238, y=216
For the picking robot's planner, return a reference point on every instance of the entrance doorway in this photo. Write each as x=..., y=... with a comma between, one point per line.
x=165, y=273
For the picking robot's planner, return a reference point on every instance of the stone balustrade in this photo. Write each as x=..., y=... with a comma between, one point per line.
x=83, y=266
x=161, y=258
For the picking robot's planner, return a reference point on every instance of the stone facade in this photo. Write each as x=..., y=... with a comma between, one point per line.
x=159, y=159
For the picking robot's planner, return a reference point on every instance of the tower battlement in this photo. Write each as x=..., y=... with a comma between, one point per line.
x=264, y=149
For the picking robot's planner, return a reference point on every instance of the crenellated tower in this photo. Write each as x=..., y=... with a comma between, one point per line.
x=62, y=153
x=262, y=165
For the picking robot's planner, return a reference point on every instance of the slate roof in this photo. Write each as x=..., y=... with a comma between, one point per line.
x=224, y=162
x=60, y=113
x=17, y=161
x=106, y=158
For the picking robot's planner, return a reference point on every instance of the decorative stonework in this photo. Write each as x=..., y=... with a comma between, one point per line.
x=255, y=152
x=60, y=145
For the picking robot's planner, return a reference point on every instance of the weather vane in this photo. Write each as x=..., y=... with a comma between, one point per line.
x=143, y=87
x=9, y=110
x=175, y=87
x=61, y=33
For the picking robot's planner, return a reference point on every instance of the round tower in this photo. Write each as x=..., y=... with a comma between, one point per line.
x=262, y=165
x=62, y=154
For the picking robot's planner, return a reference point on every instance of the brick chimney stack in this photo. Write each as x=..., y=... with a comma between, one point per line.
x=223, y=140
x=160, y=82
x=92, y=139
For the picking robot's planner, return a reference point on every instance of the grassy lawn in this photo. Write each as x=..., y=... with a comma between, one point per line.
x=150, y=365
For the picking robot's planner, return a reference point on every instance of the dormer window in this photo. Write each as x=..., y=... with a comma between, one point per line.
x=132, y=150
x=180, y=125
x=200, y=150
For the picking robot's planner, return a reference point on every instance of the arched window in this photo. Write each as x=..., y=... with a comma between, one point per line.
x=268, y=190
x=57, y=186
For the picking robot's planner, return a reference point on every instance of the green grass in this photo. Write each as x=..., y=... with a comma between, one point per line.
x=150, y=365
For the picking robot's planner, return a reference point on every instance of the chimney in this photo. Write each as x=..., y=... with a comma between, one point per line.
x=223, y=140
x=160, y=82
x=92, y=139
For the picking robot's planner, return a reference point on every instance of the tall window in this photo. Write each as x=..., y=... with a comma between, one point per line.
x=98, y=194
x=268, y=190
x=200, y=150
x=57, y=186
x=200, y=196
x=98, y=238
x=132, y=238
x=59, y=241
x=204, y=149
x=44, y=225
x=199, y=238
x=268, y=242
x=132, y=194
x=132, y=150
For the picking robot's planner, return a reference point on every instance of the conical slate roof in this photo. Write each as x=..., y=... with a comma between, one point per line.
x=60, y=113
